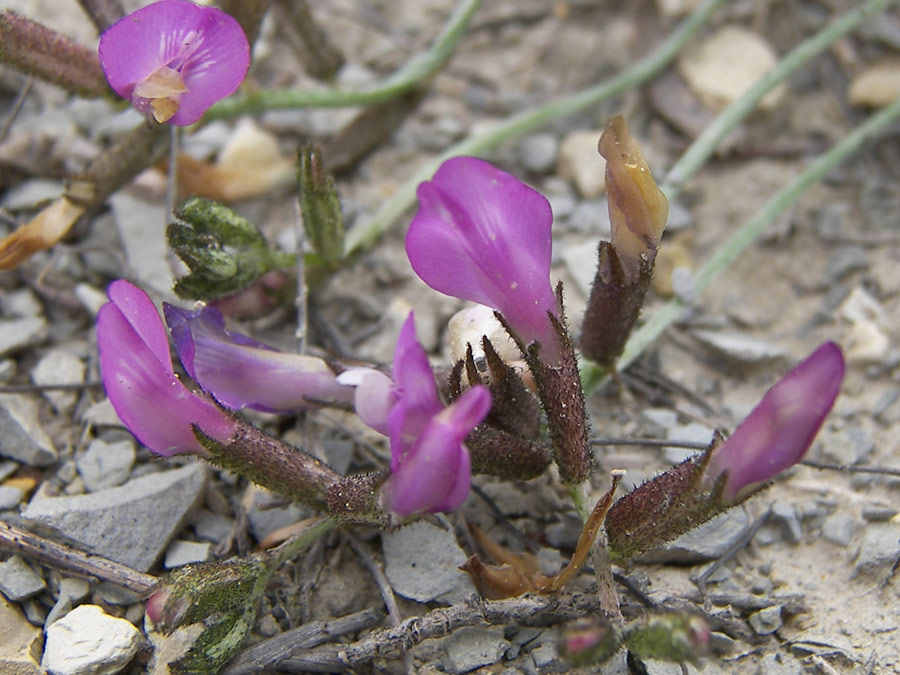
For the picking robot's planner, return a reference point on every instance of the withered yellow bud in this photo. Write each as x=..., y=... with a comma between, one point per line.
x=637, y=207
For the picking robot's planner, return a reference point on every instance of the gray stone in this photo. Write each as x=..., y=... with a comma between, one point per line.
x=580, y=163
x=537, y=153
x=878, y=513
x=472, y=647
x=693, y=432
x=708, y=542
x=879, y=548
x=7, y=468
x=767, y=620
x=850, y=445
x=182, y=552
x=88, y=641
x=592, y=217
x=840, y=528
x=212, y=526
x=102, y=414
x=785, y=517
x=10, y=497
x=843, y=261
x=739, y=347
x=680, y=217
x=71, y=592
x=105, y=465
x=21, y=304
x=31, y=192
x=664, y=418
x=779, y=664
x=130, y=524
x=142, y=226
x=422, y=563
x=59, y=366
x=264, y=521
x=544, y=655
x=581, y=262
x=18, y=581
x=17, y=334
x=112, y=594
x=20, y=648
x=22, y=436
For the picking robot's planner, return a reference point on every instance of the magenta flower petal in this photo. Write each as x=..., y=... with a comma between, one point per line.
x=435, y=475
x=241, y=372
x=204, y=49
x=416, y=391
x=483, y=235
x=779, y=431
x=141, y=383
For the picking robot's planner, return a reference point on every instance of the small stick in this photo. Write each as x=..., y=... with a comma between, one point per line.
x=72, y=560
x=17, y=106
x=102, y=13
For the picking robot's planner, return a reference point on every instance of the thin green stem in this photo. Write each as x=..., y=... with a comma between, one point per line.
x=530, y=120
x=745, y=235
x=293, y=546
x=705, y=144
x=415, y=72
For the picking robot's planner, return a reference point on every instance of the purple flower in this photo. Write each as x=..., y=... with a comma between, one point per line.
x=483, y=235
x=779, y=431
x=137, y=373
x=430, y=468
x=239, y=371
x=174, y=59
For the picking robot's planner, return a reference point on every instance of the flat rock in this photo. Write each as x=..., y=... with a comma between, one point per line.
x=422, y=563
x=59, y=366
x=738, y=346
x=20, y=648
x=879, y=548
x=840, y=528
x=18, y=581
x=24, y=438
x=10, y=497
x=105, y=465
x=71, y=592
x=767, y=620
x=708, y=542
x=581, y=262
x=131, y=524
x=472, y=647
x=88, y=641
x=183, y=552
x=142, y=226
x=17, y=334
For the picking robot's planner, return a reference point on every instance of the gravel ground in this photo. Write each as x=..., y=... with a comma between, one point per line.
x=806, y=579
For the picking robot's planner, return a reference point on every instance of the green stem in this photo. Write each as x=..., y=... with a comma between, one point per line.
x=705, y=144
x=530, y=120
x=293, y=546
x=416, y=71
x=593, y=376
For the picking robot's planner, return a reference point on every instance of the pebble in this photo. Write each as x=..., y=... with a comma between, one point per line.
x=592, y=217
x=739, y=347
x=212, y=526
x=581, y=262
x=850, y=445
x=842, y=262
x=10, y=497
x=112, y=594
x=422, y=563
x=840, y=528
x=878, y=513
x=727, y=63
x=88, y=641
x=695, y=432
x=707, y=542
x=182, y=552
x=779, y=664
x=766, y=621
x=537, y=153
x=90, y=297
x=785, y=517
x=24, y=438
x=143, y=514
x=17, y=334
x=581, y=164
x=472, y=647
x=59, y=366
x=106, y=465
x=264, y=521
x=876, y=85
x=18, y=581
x=20, y=648
x=879, y=548
x=31, y=192
x=71, y=592
x=102, y=414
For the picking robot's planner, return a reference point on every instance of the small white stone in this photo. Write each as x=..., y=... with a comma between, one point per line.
x=183, y=552
x=876, y=85
x=726, y=64
x=59, y=367
x=581, y=163
x=88, y=641
x=467, y=327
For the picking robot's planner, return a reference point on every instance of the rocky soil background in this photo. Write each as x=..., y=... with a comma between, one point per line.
x=802, y=579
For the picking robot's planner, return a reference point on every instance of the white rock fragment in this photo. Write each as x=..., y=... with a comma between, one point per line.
x=468, y=326
x=88, y=641
x=876, y=85
x=580, y=163
x=183, y=552
x=722, y=67
x=59, y=366
x=24, y=438
x=17, y=334
x=868, y=341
